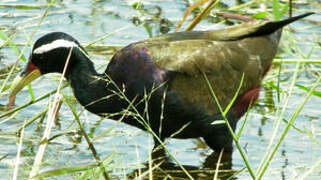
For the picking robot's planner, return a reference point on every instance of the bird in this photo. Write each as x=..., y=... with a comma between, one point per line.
x=163, y=84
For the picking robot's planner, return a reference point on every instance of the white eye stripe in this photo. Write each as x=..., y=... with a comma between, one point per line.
x=54, y=45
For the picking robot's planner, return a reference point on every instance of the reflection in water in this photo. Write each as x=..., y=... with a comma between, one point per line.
x=286, y=163
x=162, y=167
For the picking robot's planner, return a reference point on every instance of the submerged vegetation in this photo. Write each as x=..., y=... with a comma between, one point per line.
x=38, y=142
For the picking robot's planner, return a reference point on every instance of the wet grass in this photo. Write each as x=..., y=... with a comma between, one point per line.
x=286, y=71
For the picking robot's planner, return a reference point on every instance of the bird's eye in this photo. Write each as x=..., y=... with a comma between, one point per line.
x=40, y=57
x=37, y=59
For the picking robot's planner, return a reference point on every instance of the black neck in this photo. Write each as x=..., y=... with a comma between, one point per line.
x=89, y=87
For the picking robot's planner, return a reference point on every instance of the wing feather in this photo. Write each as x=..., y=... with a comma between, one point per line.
x=224, y=62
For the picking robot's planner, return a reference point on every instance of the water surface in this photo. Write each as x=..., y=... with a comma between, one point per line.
x=89, y=20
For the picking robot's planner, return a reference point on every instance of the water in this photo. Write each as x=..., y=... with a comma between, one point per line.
x=89, y=20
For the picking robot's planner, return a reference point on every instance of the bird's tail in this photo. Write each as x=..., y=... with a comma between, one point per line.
x=252, y=29
x=272, y=26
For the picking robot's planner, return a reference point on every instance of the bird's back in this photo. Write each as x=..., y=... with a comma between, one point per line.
x=179, y=61
x=223, y=62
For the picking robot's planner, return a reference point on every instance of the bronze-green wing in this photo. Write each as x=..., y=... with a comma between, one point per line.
x=224, y=55
x=223, y=61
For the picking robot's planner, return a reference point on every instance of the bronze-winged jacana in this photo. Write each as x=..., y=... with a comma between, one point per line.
x=171, y=69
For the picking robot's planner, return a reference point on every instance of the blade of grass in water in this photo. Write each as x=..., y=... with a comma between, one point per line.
x=218, y=164
x=90, y=144
x=24, y=6
x=4, y=37
x=243, y=124
x=278, y=122
x=16, y=168
x=106, y=36
x=211, y=4
x=303, y=61
x=31, y=120
x=65, y=170
x=22, y=51
x=293, y=117
x=141, y=119
x=279, y=117
x=189, y=10
x=277, y=11
x=30, y=102
x=228, y=125
x=228, y=107
x=53, y=108
x=316, y=93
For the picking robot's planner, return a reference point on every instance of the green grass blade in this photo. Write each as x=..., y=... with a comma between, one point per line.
x=229, y=127
x=228, y=107
x=4, y=37
x=278, y=121
x=293, y=117
x=243, y=124
x=90, y=144
x=314, y=92
x=66, y=170
x=24, y=6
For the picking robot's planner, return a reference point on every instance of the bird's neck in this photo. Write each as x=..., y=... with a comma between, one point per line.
x=90, y=88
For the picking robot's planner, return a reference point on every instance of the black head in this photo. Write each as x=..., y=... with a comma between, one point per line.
x=50, y=52
x=49, y=55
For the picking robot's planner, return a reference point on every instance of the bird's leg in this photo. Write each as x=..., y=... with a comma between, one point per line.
x=158, y=152
x=219, y=136
x=157, y=144
x=225, y=160
x=220, y=139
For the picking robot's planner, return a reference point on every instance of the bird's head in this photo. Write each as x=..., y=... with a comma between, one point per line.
x=49, y=55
